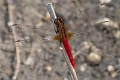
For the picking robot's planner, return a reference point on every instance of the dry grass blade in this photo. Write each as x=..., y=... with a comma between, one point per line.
x=11, y=22
x=72, y=70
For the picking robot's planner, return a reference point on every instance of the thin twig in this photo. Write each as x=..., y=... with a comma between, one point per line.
x=72, y=70
x=11, y=22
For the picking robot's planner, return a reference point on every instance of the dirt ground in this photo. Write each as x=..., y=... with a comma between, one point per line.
x=95, y=45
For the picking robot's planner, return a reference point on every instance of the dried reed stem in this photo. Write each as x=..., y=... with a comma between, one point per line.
x=11, y=22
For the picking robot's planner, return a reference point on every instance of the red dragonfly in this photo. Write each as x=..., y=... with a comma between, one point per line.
x=63, y=36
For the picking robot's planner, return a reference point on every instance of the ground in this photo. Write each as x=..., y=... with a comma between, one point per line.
x=95, y=45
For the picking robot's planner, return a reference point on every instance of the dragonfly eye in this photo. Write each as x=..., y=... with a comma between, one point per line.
x=60, y=20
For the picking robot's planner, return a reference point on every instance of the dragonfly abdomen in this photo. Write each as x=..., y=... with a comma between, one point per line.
x=68, y=51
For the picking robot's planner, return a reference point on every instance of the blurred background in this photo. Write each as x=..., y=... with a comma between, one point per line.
x=95, y=45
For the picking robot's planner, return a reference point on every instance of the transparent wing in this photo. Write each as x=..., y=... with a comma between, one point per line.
x=28, y=34
x=89, y=22
x=85, y=23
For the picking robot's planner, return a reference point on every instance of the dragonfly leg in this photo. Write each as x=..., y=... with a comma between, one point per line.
x=56, y=31
x=60, y=42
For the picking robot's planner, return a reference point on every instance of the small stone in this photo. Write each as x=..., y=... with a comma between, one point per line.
x=10, y=23
x=48, y=68
x=110, y=68
x=47, y=16
x=114, y=74
x=29, y=61
x=108, y=23
x=105, y=1
x=66, y=78
x=117, y=34
x=83, y=67
x=86, y=45
x=112, y=71
x=94, y=58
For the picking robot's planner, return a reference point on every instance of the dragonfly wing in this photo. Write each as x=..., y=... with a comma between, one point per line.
x=70, y=35
x=28, y=34
x=83, y=22
x=57, y=37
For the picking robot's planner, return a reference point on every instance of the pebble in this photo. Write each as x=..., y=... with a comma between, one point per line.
x=108, y=23
x=105, y=1
x=110, y=68
x=117, y=34
x=114, y=74
x=83, y=67
x=94, y=58
x=29, y=61
x=48, y=68
x=66, y=78
x=47, y=16
x=87, y=45
x=112, y=71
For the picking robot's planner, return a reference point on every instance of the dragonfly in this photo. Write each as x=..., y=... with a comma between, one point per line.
x=63, y=36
